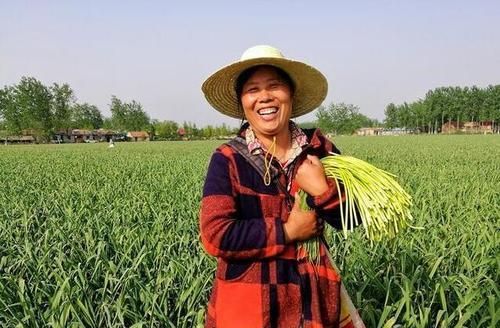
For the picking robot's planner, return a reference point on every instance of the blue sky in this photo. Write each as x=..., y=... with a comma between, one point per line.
x=160, y=52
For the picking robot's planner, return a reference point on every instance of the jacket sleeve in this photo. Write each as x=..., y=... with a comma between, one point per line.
x=223, y=233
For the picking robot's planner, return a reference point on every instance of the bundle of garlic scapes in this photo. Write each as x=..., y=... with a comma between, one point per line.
x=382, y=204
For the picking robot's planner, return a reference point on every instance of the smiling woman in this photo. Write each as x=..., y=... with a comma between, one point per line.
x=266, y=98
x=249, y=218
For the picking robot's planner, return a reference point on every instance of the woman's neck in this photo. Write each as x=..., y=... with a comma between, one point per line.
x=283, y=143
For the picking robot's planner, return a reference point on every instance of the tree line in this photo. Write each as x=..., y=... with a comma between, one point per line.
x=170, y=130
x=47, y=110
x=342, y=119
x=31, y=105
x=446, y=104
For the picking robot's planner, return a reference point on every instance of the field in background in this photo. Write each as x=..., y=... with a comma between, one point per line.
x=91, y=236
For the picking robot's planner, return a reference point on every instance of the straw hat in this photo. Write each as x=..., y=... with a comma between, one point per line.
x=310, y=85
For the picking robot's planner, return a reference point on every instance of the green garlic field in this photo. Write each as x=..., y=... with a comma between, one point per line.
x=99, y=237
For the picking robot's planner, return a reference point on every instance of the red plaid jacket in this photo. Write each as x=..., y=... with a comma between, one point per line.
x=259, y=281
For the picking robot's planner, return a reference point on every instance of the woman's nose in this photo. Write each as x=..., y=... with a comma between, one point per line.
x=265, y=96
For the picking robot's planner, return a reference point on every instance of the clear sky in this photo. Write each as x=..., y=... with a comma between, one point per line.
x=159, y=52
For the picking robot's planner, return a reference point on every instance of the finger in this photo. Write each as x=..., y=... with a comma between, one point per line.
x=296, y=202
x=321, y=224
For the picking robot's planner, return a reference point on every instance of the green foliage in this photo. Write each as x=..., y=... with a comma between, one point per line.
x=190, y=129
x=62, y=100
x=342, y=119
x=391, y=116
x=446, y=274
x=100, y=237
x=30, y=105
x=128, y=116
x=324, y=120
x=86, y=116
x=166, y=130
x=43, y=110
x=218, y=131
x=446, y=104
x=9, y=112
x=33, y=102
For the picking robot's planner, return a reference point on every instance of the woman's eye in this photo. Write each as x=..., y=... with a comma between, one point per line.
x=254, y=89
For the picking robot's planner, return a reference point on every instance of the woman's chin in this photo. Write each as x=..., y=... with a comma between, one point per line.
x=272, y=131
x=271, y=127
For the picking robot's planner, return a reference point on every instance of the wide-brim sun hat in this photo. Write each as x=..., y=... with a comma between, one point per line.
x=310, y=84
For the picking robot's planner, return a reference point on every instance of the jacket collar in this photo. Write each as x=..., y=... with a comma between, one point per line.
x=298, y=135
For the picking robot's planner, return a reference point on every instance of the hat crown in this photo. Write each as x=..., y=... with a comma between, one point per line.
x=261, y=51
x=310, y=85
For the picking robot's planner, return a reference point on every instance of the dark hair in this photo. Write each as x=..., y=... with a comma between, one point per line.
x=246, y=74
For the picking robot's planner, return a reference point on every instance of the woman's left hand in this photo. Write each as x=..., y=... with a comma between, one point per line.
x=311, y=176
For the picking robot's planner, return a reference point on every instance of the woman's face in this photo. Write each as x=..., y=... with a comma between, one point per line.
x=267, y=102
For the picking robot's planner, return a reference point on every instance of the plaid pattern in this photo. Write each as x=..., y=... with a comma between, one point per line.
x=259, y=282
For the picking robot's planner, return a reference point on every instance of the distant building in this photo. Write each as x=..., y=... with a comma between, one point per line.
x=84, y=135
x=471, y=127
x=62, y=136
x=451, y=127
x=17, y=139
x=369, y=131
x=104, y=135
x=399, y=131
x=484, y=127
x=26, y=137
x=138, y=136
x=81, y=135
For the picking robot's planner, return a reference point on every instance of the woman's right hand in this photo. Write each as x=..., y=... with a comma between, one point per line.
x=302, y=225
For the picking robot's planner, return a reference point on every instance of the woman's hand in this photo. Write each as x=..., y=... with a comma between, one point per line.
x=302, y=225
x=311, y=176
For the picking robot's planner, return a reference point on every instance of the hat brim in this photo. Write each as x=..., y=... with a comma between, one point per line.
x=311, y=86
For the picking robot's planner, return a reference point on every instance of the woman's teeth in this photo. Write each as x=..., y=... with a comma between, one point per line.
x=267, y=111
